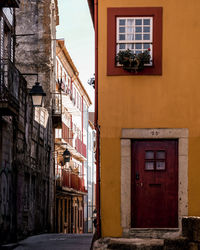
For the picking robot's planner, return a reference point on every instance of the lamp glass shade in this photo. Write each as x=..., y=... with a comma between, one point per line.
x=37, y=100
x=66, y=153
x=37, y=93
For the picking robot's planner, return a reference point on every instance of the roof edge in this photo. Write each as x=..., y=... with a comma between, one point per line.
x=91, y=7
x=61, y=44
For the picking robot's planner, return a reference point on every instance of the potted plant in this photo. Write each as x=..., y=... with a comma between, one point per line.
x=133, y=62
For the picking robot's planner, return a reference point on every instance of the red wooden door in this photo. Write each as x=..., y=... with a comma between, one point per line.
x=154, y=184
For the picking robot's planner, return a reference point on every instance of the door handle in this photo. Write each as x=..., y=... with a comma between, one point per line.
x=137, y=176
x=139, y=184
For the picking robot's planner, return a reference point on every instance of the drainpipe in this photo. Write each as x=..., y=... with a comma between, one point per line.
x=87, y=166
x=96, y=121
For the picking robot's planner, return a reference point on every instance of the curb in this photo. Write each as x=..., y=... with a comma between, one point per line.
x=9, y=246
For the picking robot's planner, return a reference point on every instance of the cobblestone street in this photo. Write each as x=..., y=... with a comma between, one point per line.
x=57, y=241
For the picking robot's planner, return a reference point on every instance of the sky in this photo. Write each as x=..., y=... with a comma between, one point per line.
x=76, y=28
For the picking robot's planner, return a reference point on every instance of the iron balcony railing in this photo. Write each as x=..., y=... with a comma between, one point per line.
x=72, y=180
x=9, y=83
x=57, y=103
x=67, y=134
x=81, y=147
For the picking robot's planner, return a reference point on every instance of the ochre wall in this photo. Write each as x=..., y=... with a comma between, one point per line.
x=171, y=100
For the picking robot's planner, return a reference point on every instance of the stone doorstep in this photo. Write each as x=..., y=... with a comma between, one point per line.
x=126, y=244
x=150, y=244
x=160, y=233
x=179, y=243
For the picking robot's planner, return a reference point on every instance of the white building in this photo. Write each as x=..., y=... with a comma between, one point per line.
x=71, y=105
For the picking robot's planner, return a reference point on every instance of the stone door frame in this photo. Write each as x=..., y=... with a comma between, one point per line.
x=174, y=133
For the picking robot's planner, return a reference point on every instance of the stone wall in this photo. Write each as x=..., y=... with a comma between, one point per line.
x=7, y=216
x=26, y=140
x=35, y=54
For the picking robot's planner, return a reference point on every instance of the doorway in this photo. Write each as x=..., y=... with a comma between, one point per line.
x=154, y=184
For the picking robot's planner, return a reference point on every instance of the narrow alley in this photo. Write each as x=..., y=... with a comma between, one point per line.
x=99, y=125
x=56, y=241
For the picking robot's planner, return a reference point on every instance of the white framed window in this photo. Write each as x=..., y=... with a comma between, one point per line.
x=135, y=34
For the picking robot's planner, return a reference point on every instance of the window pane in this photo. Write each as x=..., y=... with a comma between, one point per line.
x=138, y=37
x=130, y=21
x=121, y=37
x=146, y=37
x=122, y=45
x=160, y=155
x=121, y=29
x=122, y=22
x=138, y=52
x=130, y=46
x=146, y=21
x=138, y=29
x=129, y=29
x=149, y=165
x=146, y=45
x=146, y=29
x=138, y=46
x=138, y=21
x=130, y=37
x=149, y=155
x=160, y=165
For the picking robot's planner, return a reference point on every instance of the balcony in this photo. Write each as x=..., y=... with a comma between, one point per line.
x=69, y=102
x=67, y=134
x=10, y=3
x=71, y=181
x=57, y=110
x=9, y=88
x=80, y=147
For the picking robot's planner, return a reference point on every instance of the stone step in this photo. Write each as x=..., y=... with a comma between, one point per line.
x=160, y=233
x=191, y=228
x=179, y=243
x=128, y=244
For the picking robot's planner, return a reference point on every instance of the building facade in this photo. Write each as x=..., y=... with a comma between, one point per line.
x=71, y=105
x=149, y=117
x=26, y=141
x=90, y=178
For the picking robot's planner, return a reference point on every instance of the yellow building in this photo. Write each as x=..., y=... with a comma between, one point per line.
x=149, y=116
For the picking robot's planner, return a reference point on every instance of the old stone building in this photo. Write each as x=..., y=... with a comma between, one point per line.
x=27, y=46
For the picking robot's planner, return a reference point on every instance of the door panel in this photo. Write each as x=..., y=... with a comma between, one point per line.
x=154, y=184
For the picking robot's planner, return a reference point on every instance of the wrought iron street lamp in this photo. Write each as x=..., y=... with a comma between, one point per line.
x=66, y=156
x=37, y=93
